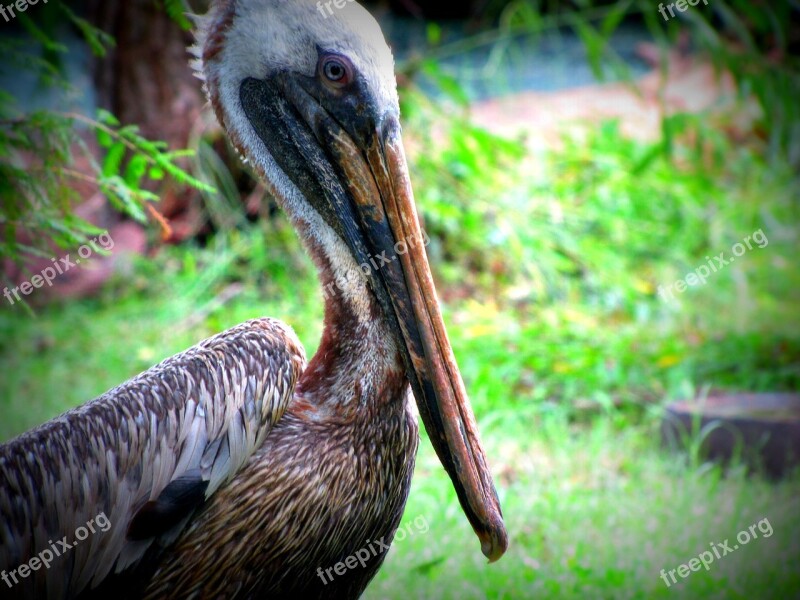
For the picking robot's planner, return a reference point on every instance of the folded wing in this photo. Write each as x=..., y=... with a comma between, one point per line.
x=139, y=460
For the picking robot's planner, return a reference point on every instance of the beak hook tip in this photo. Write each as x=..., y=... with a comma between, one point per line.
x=494, y=545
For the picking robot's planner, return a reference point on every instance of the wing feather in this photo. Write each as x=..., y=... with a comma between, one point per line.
x=147, y=452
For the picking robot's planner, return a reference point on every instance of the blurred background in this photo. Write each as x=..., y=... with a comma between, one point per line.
x=579, y=167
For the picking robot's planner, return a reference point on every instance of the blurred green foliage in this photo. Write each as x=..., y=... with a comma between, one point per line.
x=560, y=258
x=562, y=255
x=757, y=43
x=39, y=149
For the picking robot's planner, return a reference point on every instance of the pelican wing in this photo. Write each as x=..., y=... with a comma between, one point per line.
x=127, y=470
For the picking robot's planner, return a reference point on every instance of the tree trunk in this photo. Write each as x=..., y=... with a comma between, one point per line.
x=146, y=80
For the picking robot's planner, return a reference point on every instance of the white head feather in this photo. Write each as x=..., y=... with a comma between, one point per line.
x=241, y=39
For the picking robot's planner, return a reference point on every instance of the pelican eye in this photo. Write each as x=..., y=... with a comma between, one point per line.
x=337, y=70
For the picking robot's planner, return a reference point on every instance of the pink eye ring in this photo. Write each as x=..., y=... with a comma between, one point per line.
x=336, y=70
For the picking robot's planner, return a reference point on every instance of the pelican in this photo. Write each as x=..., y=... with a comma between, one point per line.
x=235, y=469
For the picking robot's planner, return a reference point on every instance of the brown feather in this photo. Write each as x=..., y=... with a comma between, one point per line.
x=119, y=452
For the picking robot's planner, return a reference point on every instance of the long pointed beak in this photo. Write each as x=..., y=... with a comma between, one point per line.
x=379, y=182
x=443, y=403
x=356, y=176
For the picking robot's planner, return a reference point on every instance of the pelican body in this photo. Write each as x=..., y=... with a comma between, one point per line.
x=235, y=469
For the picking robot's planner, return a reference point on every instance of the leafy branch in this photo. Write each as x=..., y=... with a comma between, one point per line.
x=37, y=174
x=40, y=151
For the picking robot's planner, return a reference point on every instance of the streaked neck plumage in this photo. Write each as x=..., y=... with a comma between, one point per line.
x=357, y=361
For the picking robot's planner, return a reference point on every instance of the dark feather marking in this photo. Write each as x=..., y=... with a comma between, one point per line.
x=178, y=500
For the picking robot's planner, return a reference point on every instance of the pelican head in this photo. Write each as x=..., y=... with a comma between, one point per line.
x=309, y=96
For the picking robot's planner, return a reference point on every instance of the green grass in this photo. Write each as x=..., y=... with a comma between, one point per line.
x=596, y=512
